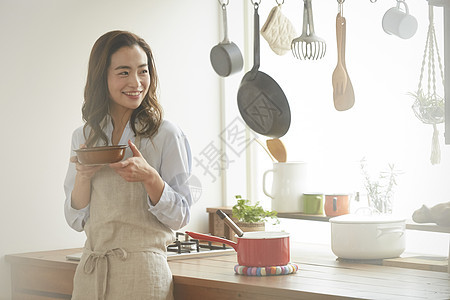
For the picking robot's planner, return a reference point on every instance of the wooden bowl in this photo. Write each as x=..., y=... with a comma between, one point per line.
x=101, y=155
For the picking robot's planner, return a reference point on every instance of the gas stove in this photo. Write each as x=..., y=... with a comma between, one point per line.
x=184, y=247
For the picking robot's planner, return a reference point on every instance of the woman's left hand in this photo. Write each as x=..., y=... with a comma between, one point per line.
x=137, y=169
x=134, y=169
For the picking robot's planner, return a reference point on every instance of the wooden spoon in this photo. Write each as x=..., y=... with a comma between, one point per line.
x=276, y=147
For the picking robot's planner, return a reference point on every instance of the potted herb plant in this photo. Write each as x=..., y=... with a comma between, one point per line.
x=251, y=217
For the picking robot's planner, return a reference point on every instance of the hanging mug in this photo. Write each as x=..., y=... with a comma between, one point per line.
x=399, y=22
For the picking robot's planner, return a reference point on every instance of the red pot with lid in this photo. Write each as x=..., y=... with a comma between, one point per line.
x=256, y=249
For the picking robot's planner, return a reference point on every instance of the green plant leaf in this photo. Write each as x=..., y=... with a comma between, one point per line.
x=245, y=212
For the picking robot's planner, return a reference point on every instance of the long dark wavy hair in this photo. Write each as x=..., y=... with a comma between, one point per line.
x=96, y=94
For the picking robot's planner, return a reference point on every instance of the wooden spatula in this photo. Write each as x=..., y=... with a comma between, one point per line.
x=343, y=95
x=276, y=147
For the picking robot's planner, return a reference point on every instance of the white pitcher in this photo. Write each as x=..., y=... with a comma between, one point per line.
x=290, y=181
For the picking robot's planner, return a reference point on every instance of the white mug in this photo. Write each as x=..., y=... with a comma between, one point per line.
x=398, y=22
x=290, y=181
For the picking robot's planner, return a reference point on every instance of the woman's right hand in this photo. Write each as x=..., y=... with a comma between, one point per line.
x=84, y=171
x=81, y=193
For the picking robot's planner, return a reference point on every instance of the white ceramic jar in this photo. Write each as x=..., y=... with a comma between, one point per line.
x=290, y=181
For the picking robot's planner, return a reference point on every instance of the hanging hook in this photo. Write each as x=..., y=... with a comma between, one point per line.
x=279, y=3
x=223, y=3
x=373, y=1
x=256, y=3
x=341, y=7
x=430, y=14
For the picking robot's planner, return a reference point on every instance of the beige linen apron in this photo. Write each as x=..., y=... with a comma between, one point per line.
x=124, y=255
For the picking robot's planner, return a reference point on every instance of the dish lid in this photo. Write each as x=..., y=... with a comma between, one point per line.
x=368, y=217
x=264, y=235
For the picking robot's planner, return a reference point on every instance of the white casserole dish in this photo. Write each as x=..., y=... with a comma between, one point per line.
x=355, y=236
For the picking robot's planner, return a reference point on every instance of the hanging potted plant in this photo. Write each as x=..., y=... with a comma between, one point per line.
x=252, y=217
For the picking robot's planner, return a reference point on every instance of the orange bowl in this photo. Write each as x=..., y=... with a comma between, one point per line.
x=101, y=155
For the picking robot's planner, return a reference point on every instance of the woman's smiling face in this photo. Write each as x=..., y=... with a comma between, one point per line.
x=128, y=78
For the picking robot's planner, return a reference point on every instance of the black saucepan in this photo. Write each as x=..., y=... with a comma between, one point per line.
x=261, y=101
x=226, y=58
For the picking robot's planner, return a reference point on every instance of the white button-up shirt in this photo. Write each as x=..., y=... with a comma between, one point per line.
x=168, y=152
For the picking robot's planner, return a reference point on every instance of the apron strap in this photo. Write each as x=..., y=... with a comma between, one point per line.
x=98, y=262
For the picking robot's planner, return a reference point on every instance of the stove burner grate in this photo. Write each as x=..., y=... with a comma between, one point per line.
x=189, y=245
x=210, y=246
x=184, y=246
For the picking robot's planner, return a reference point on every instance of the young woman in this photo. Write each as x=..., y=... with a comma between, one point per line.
x=128, y=209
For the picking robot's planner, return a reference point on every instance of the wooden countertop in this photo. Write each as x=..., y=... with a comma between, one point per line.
x=320, y=276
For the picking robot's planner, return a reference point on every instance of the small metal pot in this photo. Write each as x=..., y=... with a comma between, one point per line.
x=226, y=58
x=256, y=249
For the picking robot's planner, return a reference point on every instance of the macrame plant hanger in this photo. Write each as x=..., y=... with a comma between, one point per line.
x=429, y=107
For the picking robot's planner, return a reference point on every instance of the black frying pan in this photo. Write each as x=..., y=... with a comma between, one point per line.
x=261, y=101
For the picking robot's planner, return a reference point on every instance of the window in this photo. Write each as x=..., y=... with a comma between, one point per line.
x=381, y=127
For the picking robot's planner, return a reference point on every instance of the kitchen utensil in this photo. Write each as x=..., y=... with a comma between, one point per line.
x=230, y=223
x=256, y=249
x=278, y=31
x=277, y=149
x=101, y=155
x=262, y=103
x=313, y=204
x=357, y=236
x=226, y=58
x=308, y=45
x=429, y=107
x=265, y=149
x=290, y=180
x=337, y=204
x=398, y=22
x=343, y=95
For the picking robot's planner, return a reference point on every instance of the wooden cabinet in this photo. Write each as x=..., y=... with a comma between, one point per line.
x=217, y=226
x=43, y=275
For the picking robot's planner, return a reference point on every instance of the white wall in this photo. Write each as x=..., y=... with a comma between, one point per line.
x=45, y=48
